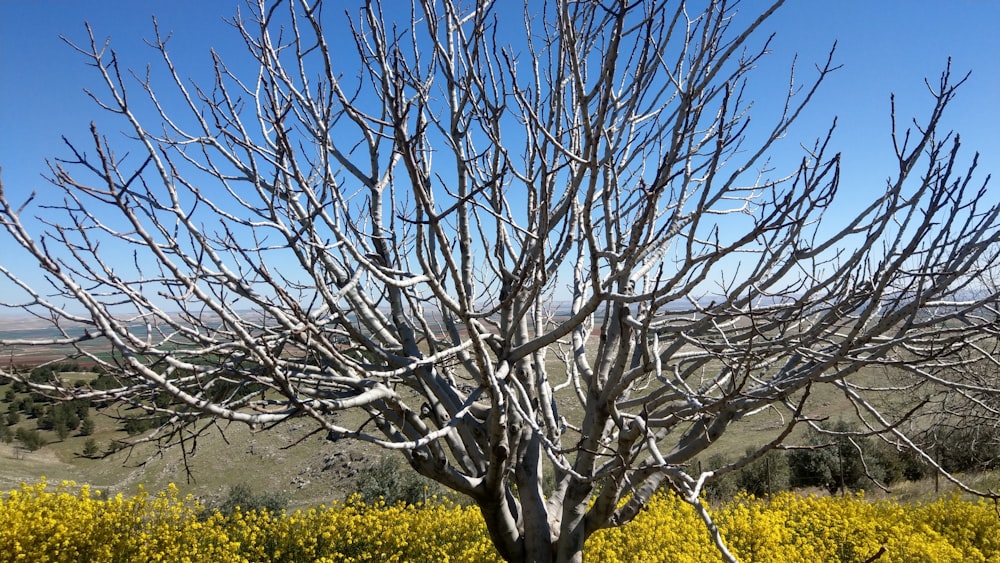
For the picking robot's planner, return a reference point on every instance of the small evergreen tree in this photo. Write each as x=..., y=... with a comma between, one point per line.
x=135, y=425
x=61, y=429
x=44, y=419
x=87, y=426
x=90, y=448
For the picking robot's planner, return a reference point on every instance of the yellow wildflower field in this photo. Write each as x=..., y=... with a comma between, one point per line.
x=67, y=522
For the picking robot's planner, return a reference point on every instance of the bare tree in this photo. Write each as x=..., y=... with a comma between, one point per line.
x=552, y=268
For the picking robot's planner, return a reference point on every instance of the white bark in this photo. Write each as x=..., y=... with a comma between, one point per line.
x=468, y=235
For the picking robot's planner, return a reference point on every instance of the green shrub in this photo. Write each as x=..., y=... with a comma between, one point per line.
x=31, y=439
x=386, y=481
x=898, y=464
x=90, y=448
x=722, y=487
x=242, y=497
x=24, y=404
x=44, y=420
x=87, y=426
x=833, y=462
x=765, y=476
x=133, y=425
x=971, y=448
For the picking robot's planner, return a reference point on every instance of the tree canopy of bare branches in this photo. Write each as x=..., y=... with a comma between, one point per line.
x=551, y=266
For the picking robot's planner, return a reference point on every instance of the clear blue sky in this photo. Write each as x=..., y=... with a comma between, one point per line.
x=885, y=46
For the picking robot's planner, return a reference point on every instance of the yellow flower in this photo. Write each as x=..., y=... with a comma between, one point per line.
x=74, y=523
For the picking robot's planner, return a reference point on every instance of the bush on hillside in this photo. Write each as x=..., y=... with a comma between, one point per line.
x=766, y=476
x=241, y=497
x=834, y=462
x=388, y=482
x=90, y=448
x=31, y=439
x=971, y=448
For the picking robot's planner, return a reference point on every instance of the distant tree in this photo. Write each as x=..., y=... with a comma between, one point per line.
x=43, y=374
x=61, y=429
x=811, y=466
x=134, y=424
x=833, y=459
x=70, y=417
x=43, y=418
x=105, y=382
x=31, y=439
x=897, y=464
x=549, y=268
x=87, y=427
x=961, y=431
x=114, y=446
x=80, y=408
x=90, y=448
x=969, y=448
x=723, y=485
x=61, y=417
x=764, y=477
